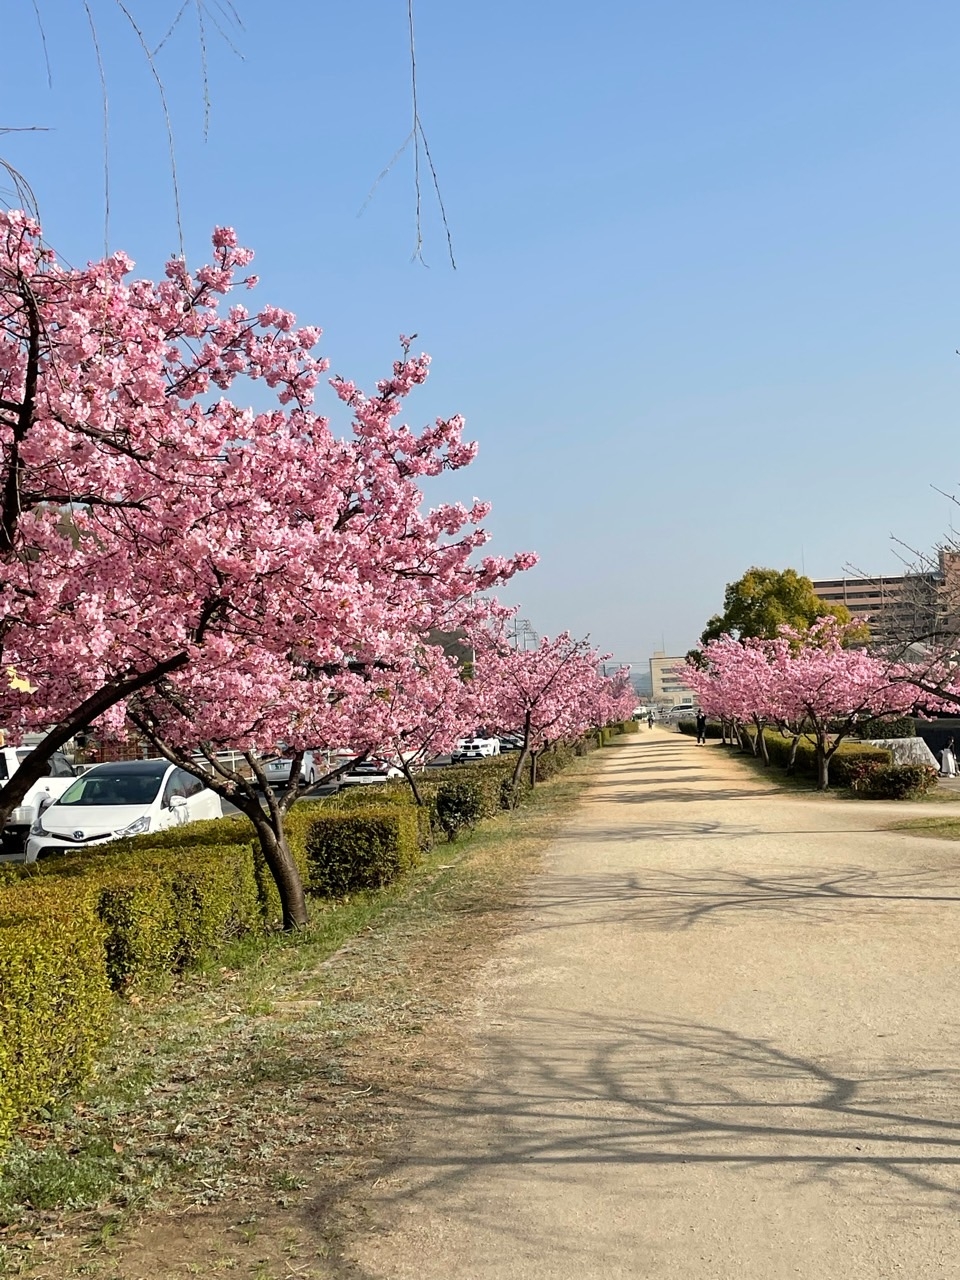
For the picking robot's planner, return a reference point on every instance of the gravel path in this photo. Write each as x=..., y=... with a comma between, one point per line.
x=723, y=1042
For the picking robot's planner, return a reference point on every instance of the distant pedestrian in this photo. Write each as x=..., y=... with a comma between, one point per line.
x=701, y=728
x=948, y=760
x=649, y=719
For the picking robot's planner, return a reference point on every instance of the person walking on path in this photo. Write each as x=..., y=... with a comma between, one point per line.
x=948, y=760
x=649, y=719
x=701, y=728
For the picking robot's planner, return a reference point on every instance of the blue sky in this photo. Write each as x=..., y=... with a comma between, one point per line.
x=705, y=312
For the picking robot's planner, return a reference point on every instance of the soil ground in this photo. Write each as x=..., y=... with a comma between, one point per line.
x=722, y=1041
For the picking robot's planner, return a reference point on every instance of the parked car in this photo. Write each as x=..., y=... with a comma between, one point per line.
x=60, y=774
x=476, y=748
x=277, y=769
x=368, y=772
x=110, y=801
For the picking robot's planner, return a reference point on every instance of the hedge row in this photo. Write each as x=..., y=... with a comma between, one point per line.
x=867, y=771
x=54, y=1004
x=690, y=727
x=75, y=929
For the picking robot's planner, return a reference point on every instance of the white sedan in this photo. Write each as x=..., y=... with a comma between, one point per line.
x=475, y=749
x=368, y=772
x=277, y=769
x=111, y=801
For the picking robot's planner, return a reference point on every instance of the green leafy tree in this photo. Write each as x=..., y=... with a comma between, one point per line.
x=763, y=600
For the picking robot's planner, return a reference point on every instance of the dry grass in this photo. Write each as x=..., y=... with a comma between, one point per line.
x=236, y=1118
x=940, y=828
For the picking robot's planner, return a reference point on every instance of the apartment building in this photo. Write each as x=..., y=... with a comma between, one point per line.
x=666, y=681
x=901, y=607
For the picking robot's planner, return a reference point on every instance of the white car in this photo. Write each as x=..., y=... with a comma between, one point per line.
x=368, y=772
x=60, y=773
x=110, y=801
x=277, y=769
x=475, y=748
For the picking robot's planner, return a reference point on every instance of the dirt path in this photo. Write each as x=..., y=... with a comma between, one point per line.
x=724, y=1042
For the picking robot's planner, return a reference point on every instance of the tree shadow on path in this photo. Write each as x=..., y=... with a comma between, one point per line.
x=664, y=901
x=568, y=1098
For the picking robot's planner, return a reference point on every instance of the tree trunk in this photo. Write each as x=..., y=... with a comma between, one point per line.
x=791, y=763
x=283, y=868
x=524, y=752
x=533, y=769
x=762, y=743
x=823, y=767
x=408, y=774
x=245, y=793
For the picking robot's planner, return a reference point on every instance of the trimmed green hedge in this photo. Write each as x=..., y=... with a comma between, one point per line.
x=887, y=727
x=365, y=849
x=689, y=727
x=898, y=782
x=74, y=928
x=159, y=909
x=377, y=795
x=460, y=804
x=54, y=1001
x=849, y=762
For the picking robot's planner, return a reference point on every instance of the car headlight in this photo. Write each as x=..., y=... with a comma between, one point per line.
x=137, y=828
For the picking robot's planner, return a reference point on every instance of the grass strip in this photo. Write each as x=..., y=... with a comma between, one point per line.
x=947, y=828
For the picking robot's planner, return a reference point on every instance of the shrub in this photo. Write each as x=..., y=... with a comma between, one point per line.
x=852, y=759
x=713, y=728
x=54, y=999
x=365, y=849
x=460, y=803
x=377, y=796
x=160, y=909
x=887, y=727
x=898, y=782
x=556, y=758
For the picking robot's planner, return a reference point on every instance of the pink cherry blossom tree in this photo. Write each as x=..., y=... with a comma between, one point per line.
x=545, y=693
x=734, y=680
x=827, y=689
x=807, y=682
x=168, y=551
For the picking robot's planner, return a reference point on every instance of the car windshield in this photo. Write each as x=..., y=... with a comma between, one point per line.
x=113, y=788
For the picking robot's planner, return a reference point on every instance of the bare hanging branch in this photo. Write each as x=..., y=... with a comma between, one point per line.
x=158, y=81
x=418, y=137
x=43, y=42
x=221, y=16
x=106, y=127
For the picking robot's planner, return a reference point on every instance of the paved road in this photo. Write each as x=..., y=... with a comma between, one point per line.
x=725, y=1042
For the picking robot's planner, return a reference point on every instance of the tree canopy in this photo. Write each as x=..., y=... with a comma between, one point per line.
x=763, y=600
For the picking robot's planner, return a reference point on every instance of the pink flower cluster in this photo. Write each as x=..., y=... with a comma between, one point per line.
x=242, y=572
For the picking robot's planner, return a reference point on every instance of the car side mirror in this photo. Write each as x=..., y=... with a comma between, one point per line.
x=178, y=802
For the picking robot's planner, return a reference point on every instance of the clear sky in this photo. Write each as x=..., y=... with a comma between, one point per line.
x=705, y=308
